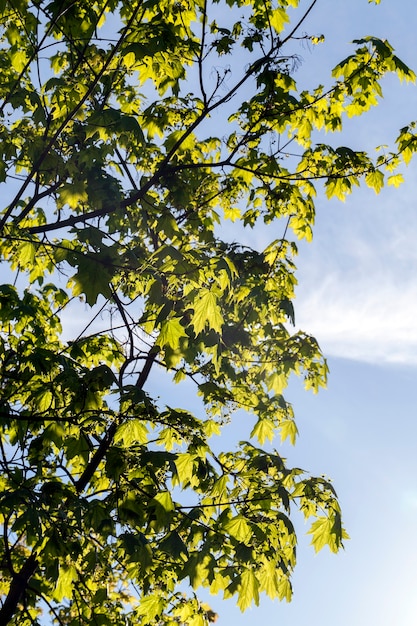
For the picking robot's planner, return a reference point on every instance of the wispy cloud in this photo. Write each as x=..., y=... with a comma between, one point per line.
x=362, y=319
x=357, y=291
x=358, y=282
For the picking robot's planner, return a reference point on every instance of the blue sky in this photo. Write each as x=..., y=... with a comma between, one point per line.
x=357, y=295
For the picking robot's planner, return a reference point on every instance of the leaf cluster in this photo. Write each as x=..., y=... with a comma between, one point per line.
x=131, y=135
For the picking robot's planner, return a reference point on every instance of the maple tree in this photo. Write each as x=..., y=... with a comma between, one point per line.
x=130, y=133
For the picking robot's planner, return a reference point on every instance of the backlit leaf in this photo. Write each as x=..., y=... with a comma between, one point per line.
x=64, y=585
x=185, y=467
x=133, y=431
x=395, y=180
x=164, y=500
x=279, y=18
x=248, y=590
x=375, y=180
x=171, y=332
x=206, y=312
x=151, y=606
x=239, y=528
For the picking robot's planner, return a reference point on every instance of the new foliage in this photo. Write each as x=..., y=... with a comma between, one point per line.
x=131, y=134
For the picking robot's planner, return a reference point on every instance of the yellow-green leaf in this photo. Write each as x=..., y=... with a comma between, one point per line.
x=327, y=531
x=268, y=579
x=27, y=253
x=44, y=400
x=151, y=606
x=277, y=382
x=73, y=194
x=396, y=180
x=248, y=590
x=19, y=60
x=278, y=18
x=284, y=589
x=239, y=528
x=185, y=467
x=171, y=333
x=263, y=429
x=288, y=430
x=131, y=432
x=375, y=180
x=232, y=214
x=165, y=500
x=66, y=577
x=206, y=311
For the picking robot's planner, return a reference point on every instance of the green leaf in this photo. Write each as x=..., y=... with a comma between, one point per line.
x=327, y=531
x=19, y=60
x=239, y=528
x=285, y=589
x=174, y=546
x=264, y=429
x=64, y=585
x=338, y=187
x=73, y=194
x=133, y=431
x=92, y=280
x=206, y=312
x=44, y=399
x=151, y=607
x=277, y=381
x=27, y=252
x=279, y=18
x=185, y=467
x=171, y=332
x=375, y=180
x=165, y=501
x=248, y=590
x=268, y=578
x=288, y=430
x=395, y=180
x=232, y=214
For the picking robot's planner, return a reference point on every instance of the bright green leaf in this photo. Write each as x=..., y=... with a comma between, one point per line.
x=171, y=332
x=133, y=431
x=395, y=180
x=206, y=311
x=375, y=180
x=238, y=528
x=164, y=500
x=248, y=590
x=151, y=606
x=64, y=585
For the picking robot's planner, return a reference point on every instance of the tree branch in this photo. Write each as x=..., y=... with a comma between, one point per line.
x=139, y=193
x=66, y=121
x=106, y=442
x=19, y=584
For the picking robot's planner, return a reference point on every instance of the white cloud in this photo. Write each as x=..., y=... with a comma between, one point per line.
x=358, y=281
x=357, y=291
x=355, y=318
